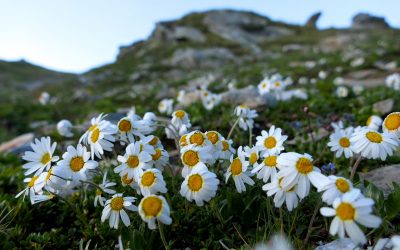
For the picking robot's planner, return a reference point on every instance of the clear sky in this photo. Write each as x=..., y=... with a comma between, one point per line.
x=76, y=35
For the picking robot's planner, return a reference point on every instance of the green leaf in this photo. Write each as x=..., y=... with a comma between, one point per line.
x=392, y=203
x=376, y=194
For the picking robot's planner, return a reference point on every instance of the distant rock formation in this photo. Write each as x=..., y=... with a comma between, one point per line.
x=367, y=21
x=312, y=20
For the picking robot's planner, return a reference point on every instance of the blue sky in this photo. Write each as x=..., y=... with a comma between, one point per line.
x=76, y=35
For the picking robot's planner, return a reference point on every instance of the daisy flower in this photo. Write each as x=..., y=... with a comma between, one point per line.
x=152, y=208
x=200, y=185
x=263, y=87
x=76, y=163
x=166, y=106
x=393, y=81
x=180, y=124
x=130, y=182
x=42, y=197
x=227, y=150
x=105, y=188
x=252, y=154
x=339, y=142
x=267, y=168
x=159, y=159
x=133, y=162
x=238, y=170
x=29, y=189
x=151, y=181
x=152, y=140
x=126, y=129
x=298, y=169
x=271, y=141
x=216, y=140
x=337, y=187
x=373, y=145
x=246, y=117
x=64, y=128
x=183, y=141
x=148, y=124
x=99, y=136
x=211, y=101
x=191, y=157
x=391, y=124
x=199, y=139
x=53, y=180
x=281, y=195
x=374, y=122
x=41, y=157
x=114, y=208
x=342, y=92
x=349, y=210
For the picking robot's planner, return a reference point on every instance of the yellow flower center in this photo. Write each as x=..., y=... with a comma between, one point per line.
x=153, y=141
x=98, y=192
x=31, y=183
x=195, y=182
x=148, y=178
x=280, y=185
x=190, y=158
x=117, y=203
x=304, y=165
x=133, y=161
x=270, y=161
x=253, y=158
x=182, y=141
x=95, y=135
x=392, y=121
x=125, y=179
x=124, y=125
x=93, y=127
x=76, y=163
x=369, y=120
x=197, y=138
x=152, y=206
x=180, y=114
x=374, y=137
x=277, y=84
x=270, y=142
x=264, y=85
x=243, y=106
x=157, y=155
x=49, y=174
x=45, y=158
x=344, y=142
x=212, y=137
x=236, y=167
x=345, y=211
x=225, y=145
x=342, y=185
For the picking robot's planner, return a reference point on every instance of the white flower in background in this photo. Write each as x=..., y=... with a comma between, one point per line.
x=374, y=122
x=349, y=210
x=166, y=106
x=41, y=157
x=396, y=242
x=152, y=208
x=357, y=62
x=267, y=168
x=200, y=185
x=393, y=81
x=252, y=154
x=339, y=142
x=211, y=101
x=105, y=188
x=29, y=189
x=281, y=195
x=64, y=128
x=44, y=98
x=191, y=157
x=246, y=117
x=76, y=163
x=238, y=170
x=322, y=75
x=114, y=209
x=298, y=169
x=303, y=80
x=227, y=150
x=263, y=87
x=99, y=136
x=271, y=141
x=133, y=161
x=337, y=187
x=358, y=89
x=181, y=96
x=151, y=181
x=180, y=124
x=391, y=124
x=338, y=81
x=277, y=242
x=342, y=92
x=148, y=124
x=373, y=145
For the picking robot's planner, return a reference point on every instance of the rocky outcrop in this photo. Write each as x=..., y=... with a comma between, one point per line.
x=165, y=32
x=210, y=57
x=384, y=177
x=312, y=21
x=367, y=21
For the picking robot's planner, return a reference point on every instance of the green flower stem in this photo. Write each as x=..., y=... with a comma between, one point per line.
x=161, y=230
x=312, y=222
x=233, y=128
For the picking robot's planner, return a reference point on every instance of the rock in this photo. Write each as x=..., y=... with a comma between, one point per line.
x=248, y=96
x=383, y=107
x=210, y=57
x=18, y=144
x=168, y=32
x=367, y=21
x=384, y=177
x=335, y=43
x=342, y=244
x=389, y=66
x=312, y=20
x=366, y=78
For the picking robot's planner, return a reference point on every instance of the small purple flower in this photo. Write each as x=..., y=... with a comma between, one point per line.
x=329, y=168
